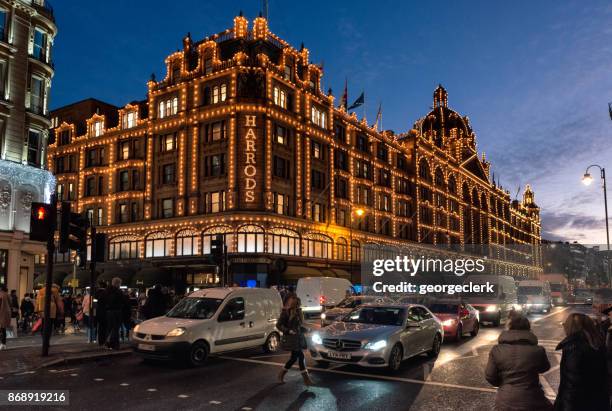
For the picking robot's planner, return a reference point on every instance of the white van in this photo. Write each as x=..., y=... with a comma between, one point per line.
x=535, y=295
x=495, y=307
x=318, y=292
x=211, y=321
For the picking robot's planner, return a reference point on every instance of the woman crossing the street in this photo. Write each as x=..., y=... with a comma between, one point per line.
x=515, y=365
x=290, y=324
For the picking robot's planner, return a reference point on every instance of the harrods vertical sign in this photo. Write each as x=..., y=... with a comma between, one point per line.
x=250, y=154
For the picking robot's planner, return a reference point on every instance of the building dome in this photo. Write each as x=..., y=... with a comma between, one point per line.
x=441, y=119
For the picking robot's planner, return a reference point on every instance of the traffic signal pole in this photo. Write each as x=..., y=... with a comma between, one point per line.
x=92, y=282
x=47, y=326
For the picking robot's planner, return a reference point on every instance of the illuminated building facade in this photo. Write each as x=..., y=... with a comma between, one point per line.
x=239, y=140
x=27, y=30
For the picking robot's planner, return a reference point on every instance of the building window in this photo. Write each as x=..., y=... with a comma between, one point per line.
x=168, y=174
x=70, y=191
x=317, y=150
x=187, y=243
x=124, y=150
x=157, y=245
x=317, y=179
x=167, y=207
x=280, y=97
x=341, y=187
x=212, y=233
x=341, y=218
x=124, y=213
x=34, y=148
x=318, y=246
x=3, y=31
x=60, y=192
x=283, y=241
x=341, y=160
x=214, y=131
x=100, y=220
x=250, y=239
x=318, y=213
x=64, y=137
x=281, y=167
x=340, y=133
x=219, y=93
x=96, y=129
x=3, y=75
x=362, y=143
x=39, y=50
x=123, y=248
x=288, y=72
x=134, y=213
x=37, y=95
x=214, y=166
x=215, y=202
x=382, y=153
x=124, y=180
x=364, y=170
x=318, y=117
x=168, y=107
x=281, y=203
x=129, y=119
x=208, y=65
x=168, y=142
x=281, y=135
x=342, y=248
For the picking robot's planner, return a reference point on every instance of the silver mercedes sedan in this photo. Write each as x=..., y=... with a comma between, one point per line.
x=347, y=305
x=378, y=335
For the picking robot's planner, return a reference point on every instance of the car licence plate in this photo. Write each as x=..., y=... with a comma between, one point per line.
x=339, y=355
x=146, y=347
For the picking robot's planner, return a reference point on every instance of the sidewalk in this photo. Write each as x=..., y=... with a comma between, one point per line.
x=24, y=354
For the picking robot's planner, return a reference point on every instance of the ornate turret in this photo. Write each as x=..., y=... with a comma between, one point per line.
x=440, y=97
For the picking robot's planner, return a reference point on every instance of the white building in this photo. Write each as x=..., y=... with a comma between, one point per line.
x=27, y=30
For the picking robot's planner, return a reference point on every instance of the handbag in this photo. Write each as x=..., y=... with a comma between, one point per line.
x=37, y=325
x=79, y=316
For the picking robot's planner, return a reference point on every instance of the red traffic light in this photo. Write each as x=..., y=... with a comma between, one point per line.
x=41, y=213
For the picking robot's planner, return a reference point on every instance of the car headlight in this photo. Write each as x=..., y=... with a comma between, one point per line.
x=323, y=316
x=136, y=328
x=316, y=339
x=375, y=346
x=176, y=332
x=449, y=322
x=518, y=307
x=491, y=308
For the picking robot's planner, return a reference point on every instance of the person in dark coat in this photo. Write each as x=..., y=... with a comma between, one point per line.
x=27, y=309
x=584, y=373
x=100, y=313
x=515, y=365
x=116, y=304
x=290, y=324
x=155, y=306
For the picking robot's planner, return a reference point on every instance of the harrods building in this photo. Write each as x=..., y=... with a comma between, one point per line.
x=238, y=139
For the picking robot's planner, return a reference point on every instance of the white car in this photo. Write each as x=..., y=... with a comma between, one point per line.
x=212, y=320
x=378, y=335
x=345, y=306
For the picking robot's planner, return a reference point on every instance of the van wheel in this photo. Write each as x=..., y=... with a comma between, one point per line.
x=272, y=343
x=395, y=358
x=198, y=354
x=435, y=347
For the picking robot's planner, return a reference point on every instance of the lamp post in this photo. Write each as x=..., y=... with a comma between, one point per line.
x=359, y=212
x=587, y=179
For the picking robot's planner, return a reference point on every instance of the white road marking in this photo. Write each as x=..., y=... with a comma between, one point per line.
x=26, y=373
x=151, y=389
x=183, y=396
x=214, y=402
x=74, y=375
x=246, y=408
x=270, y=355
x=549, y=315
x=374, y=376
x=61, y=371
x=98, y=379
x=124, y=384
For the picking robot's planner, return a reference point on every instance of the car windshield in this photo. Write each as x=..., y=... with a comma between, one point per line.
x=444, y=308
x=530, y=290
x=376, y=315
x=349, y=302
x=195, y=308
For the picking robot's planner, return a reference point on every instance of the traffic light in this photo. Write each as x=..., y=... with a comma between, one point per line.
x=98, y=249
x=217, y=247
x=73, y=232
x=42, y=222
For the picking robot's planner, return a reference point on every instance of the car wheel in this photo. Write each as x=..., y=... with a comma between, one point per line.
x=272, y=343
x=475, y=330
x=435, y=347
x=459, y=333
x=395, y=358
x=198, y=354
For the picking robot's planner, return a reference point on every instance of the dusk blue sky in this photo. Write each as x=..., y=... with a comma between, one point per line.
x=534, y=77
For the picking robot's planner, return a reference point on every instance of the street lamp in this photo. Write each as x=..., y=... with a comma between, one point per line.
x=359, y=212
x=587, y=179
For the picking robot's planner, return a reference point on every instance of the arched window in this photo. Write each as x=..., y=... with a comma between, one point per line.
x=475, y=199
x=187, y=242
x=342, y=249
x=211, y=233
x=283, y=241
x=355, y=250
x=439, y=178
x=124, y=247
x=466, y=193
x=452, y=185
x=424, y=170
x=158, y=245
x=318, y=246
x=250, y=239
x=484, y=203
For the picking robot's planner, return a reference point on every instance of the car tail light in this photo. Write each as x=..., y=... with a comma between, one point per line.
x=322, y=300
